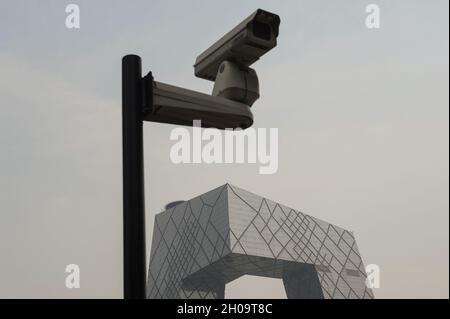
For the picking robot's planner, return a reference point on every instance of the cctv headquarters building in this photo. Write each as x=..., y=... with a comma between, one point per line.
x=202, y=244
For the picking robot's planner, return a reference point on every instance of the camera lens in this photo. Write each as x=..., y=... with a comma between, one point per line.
x=261, y=30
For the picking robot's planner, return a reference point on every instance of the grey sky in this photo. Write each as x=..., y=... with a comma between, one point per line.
x=362, y=117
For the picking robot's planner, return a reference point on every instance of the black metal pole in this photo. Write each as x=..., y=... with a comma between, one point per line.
x=133, y=179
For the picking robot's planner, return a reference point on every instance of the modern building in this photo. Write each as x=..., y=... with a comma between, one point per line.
x=202, y=244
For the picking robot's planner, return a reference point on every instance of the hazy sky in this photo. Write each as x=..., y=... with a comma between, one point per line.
x=362, y=117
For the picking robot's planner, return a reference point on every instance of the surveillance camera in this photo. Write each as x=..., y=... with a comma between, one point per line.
x=227, y=63
x=243, y=45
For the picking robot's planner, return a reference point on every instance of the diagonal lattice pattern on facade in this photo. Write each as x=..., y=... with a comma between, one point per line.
x=202, y=244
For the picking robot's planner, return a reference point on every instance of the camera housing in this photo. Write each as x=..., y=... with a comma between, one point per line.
x=243, y=45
